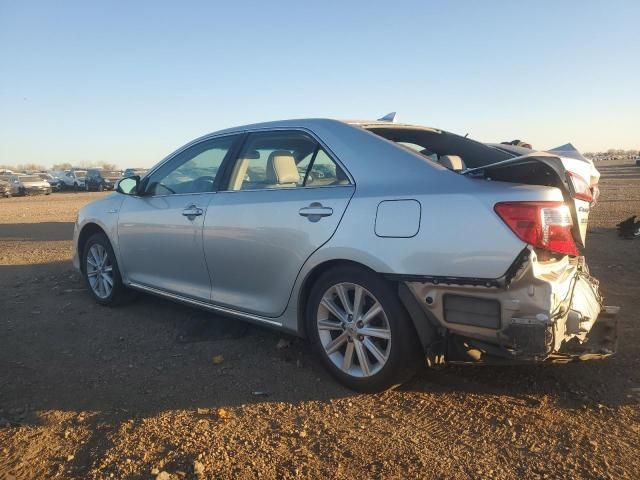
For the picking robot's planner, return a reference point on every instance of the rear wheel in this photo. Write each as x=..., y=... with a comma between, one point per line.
x=361, y=330
x=101, y=272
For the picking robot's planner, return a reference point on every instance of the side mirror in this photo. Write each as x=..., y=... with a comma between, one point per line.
x=128, y=185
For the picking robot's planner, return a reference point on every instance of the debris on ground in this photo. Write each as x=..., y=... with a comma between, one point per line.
x=222, y=413
x=629, y=228
x=198, y=467
x=217, y=359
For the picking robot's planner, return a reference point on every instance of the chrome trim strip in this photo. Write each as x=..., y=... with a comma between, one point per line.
x=246, y=190
x=205, y=305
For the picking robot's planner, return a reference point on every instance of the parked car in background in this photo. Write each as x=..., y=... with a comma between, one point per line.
x=52, y=180
x=6, y=172
x=74, y=179
x=449, y=250
x=99, y=179
x=5, y=188
x=28, y=185
x=9, y=180
x=132, y=172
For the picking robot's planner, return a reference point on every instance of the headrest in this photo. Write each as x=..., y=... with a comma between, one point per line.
x=282, y=168
x=452, y=162
x=251, y=155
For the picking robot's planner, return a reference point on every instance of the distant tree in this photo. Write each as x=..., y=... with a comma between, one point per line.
x=108, y=166
x=62, y=166
x=29, y=167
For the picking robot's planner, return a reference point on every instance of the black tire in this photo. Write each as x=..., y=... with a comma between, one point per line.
x=119, y=293
x=404, y=355
x=101, y=188
x=75, y=187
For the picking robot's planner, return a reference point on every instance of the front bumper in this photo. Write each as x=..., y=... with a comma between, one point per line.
x=546, y=312
x=35, y=190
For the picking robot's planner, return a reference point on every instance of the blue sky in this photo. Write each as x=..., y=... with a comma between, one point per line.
x=128, y=82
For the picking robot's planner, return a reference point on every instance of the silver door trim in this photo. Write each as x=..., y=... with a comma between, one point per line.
x=205, y=305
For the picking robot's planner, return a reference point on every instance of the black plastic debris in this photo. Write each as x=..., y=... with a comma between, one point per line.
x=629, y=228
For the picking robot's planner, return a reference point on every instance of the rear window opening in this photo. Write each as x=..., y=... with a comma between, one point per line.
x=435, y=144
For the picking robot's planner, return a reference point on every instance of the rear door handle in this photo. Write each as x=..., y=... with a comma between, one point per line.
x=192, y=211
x=315, y=212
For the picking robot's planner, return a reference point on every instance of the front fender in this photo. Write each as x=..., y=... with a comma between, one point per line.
x=102, y=213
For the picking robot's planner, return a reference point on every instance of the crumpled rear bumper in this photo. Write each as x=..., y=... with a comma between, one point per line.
x=582, y=330
x=548, y=312
x=600, y=342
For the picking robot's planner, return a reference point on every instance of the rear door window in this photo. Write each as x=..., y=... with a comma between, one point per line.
x=283, y=159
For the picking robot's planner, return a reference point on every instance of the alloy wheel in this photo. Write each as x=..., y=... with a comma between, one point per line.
x=99, y=271
x=354, y=330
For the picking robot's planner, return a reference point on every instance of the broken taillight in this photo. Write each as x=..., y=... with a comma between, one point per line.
x=545, y=225
x=580, y=188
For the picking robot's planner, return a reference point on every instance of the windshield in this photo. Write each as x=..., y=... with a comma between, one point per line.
x=111, y=174
x=80, y=173
x=29, y=178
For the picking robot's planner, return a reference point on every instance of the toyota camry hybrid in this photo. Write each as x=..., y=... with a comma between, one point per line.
x=386, y=245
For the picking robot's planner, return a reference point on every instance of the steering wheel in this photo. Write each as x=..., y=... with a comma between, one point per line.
x=154, y=188
x=205, y=181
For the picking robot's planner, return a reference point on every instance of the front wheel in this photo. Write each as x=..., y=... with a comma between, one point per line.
x=361, y=330
x=101, y=273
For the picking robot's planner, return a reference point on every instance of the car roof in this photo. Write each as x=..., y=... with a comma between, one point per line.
x=316, y=122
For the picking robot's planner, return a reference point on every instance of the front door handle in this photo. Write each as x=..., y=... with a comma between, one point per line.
x=315, y=212
x=192, y=211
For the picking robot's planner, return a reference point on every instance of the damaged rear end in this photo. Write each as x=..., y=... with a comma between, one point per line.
x=540, y=311
x=547, y=307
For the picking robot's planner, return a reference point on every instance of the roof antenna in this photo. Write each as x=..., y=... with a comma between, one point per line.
x=466, y=135
x=389, y=117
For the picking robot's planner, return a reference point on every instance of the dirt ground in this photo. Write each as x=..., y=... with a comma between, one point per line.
x=88, y=392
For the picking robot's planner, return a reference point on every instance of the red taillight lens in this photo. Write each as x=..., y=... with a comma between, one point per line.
x=580, y=188
x=544, y=225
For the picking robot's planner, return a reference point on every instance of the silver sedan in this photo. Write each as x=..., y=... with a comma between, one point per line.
x=383, y=244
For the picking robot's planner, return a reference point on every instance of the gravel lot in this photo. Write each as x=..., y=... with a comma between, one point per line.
x=89, y=392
